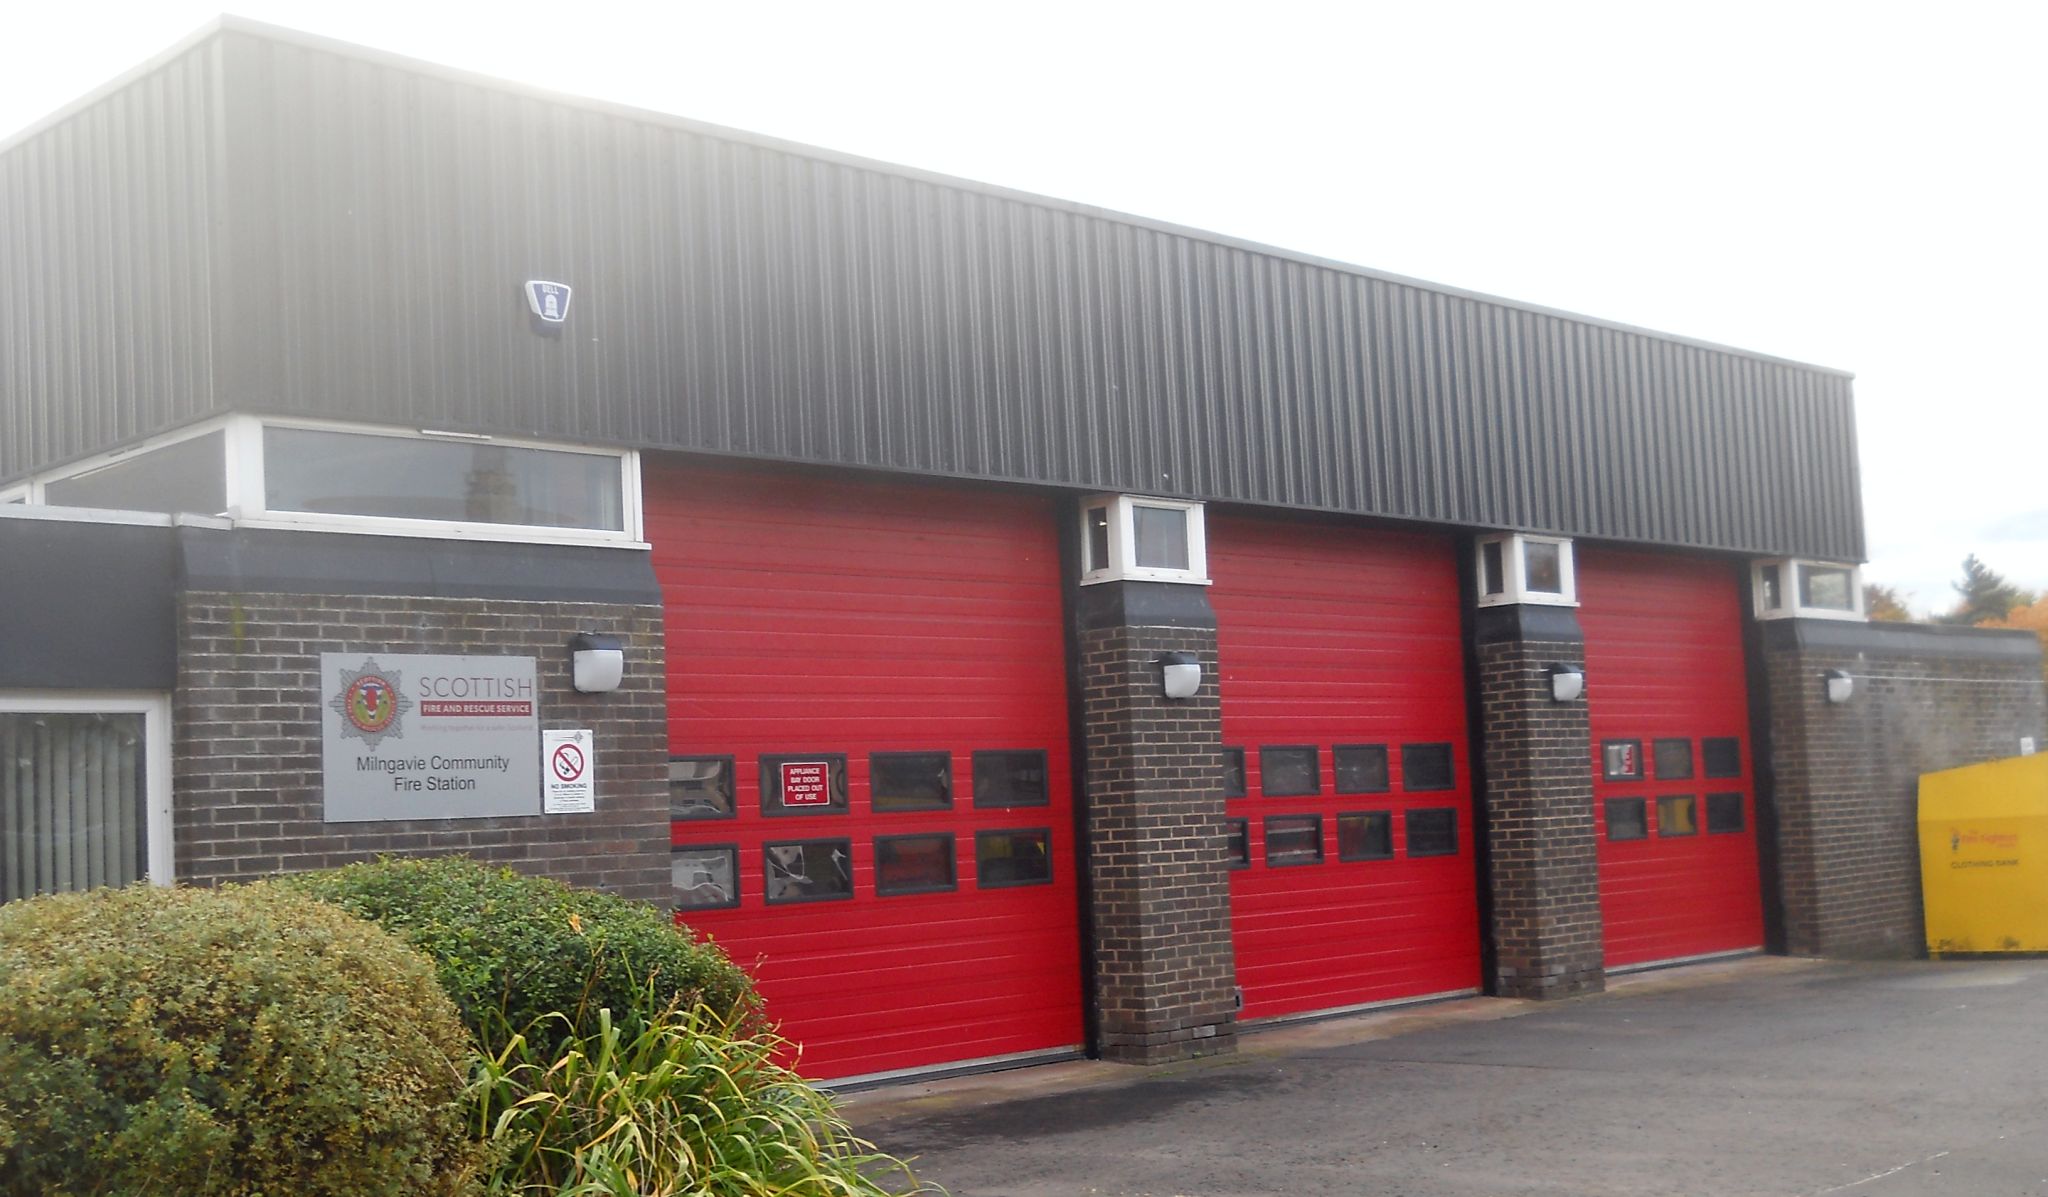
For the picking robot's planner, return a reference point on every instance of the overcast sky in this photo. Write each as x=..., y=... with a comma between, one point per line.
x=1858, y=185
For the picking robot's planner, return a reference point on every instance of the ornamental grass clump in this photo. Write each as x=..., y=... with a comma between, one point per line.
x=515, y=952
x=240, y=1042
x=615, y=1056
x=681, y=1105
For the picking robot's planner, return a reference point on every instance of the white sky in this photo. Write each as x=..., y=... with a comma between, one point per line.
x=1854, y=184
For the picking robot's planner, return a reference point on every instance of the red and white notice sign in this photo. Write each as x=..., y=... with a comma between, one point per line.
x=806, y=783
x=567, y=764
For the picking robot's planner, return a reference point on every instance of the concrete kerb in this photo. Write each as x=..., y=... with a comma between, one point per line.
x=913, y=1100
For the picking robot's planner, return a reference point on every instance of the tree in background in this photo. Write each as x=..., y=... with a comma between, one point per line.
x=1984, y=595
x=2033, y=618
x=1883, y=603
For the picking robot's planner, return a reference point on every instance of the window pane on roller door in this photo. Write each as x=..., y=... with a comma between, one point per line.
x=910, y=781
x=1627, y=819
x=700, y=787
x=913, y=864
x=1677, y=815
x=1724, y=814
x=1721, y=756
x=1013, y=857
x=1621, y=760
x=1365, y=835
x=808, y=870
x=1361, y=768
x=1427, y=767
x=1672, y=759
x=1233, y=773
x=1289, y=771
x=1293, y=840
x=705, y=877
x=1011, y=777
x=1433, y=832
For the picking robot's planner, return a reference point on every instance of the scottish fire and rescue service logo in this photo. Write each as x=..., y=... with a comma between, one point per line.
x=370, y=704
x=549, y=301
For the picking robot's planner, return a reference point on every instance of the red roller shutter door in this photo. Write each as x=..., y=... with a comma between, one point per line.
x=887, y=663
x=1674, y=805
x=1342, y=645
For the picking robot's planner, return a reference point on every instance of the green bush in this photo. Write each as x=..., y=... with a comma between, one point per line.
x=512, y=950
x=223, y=1042
x=684, y=1105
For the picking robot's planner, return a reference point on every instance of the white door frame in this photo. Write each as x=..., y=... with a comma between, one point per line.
x=155, y=709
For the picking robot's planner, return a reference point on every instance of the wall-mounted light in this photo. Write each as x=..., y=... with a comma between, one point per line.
x=1567, y=682
x=1180, y=674
x=598, y=662
x=1839, y=685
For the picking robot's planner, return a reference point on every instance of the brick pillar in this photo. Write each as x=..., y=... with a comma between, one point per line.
x=1543, y=870
x=1160, y=894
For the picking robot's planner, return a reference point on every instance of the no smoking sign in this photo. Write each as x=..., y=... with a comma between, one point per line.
x=567, y=762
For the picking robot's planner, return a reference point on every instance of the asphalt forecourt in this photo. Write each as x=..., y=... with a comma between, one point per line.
x=1764, y=1076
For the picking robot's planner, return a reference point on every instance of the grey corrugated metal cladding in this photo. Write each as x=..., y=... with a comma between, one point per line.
x=739, y=296
x=106, y=267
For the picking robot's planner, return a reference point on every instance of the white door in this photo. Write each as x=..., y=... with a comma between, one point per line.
x=85, y=791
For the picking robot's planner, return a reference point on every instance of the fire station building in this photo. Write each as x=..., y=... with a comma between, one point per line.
x=1013, y=629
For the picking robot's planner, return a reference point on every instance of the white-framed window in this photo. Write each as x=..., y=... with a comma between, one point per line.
x=1133, y=538
x=1516, y=567
x=1794, y=587
x=14, y=494
x=351, y=478
x=339, y=477
x=184, y=470
x=85, y=791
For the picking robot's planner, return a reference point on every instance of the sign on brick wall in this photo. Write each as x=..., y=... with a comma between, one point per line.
x=568, y=769
x=424, y=736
